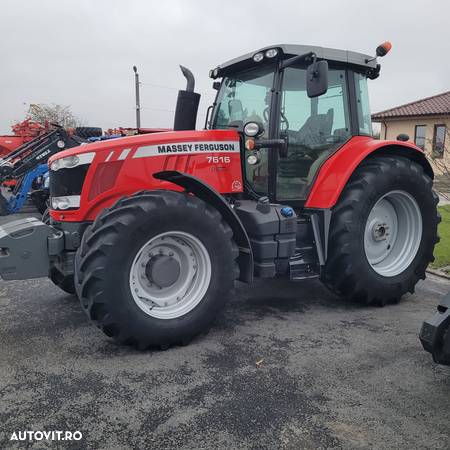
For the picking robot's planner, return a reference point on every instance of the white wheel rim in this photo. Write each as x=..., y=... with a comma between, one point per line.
x=393, y=233
x=179, y=294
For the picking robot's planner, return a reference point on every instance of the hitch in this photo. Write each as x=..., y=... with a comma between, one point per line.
x=27, y=247
x=435, y=333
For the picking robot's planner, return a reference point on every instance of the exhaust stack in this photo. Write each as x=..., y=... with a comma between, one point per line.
x=187, y=104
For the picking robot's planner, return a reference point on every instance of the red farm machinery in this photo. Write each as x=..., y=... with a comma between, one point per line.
x=23, y=132
x=152, y=231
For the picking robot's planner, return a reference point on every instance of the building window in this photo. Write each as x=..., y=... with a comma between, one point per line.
x=419, y=136
x=439, y=140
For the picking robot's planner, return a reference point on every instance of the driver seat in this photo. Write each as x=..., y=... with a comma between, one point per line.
x=316, y=129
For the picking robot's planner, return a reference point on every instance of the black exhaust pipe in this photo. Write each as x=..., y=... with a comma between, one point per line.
x=187, y=104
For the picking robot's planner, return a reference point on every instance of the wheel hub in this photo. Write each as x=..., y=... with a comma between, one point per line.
x=380, y=231
x=170, y=274
x=163, y=270
x=393, y=233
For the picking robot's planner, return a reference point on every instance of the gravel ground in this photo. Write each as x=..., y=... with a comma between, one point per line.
x=332, y=375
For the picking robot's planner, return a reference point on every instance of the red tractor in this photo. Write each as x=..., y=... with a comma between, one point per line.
x=153, y=230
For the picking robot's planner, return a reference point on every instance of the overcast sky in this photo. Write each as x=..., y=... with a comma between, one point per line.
x=80, y=53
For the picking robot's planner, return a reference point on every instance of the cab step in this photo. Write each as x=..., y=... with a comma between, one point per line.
x=304, y=264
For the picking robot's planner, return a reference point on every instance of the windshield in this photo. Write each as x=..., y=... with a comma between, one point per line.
x=243, y=98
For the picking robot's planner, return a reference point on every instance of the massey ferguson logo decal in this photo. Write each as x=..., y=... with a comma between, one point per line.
x=236, y=185
x=187, y=148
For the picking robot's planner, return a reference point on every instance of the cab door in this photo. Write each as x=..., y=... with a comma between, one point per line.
x=313, y=127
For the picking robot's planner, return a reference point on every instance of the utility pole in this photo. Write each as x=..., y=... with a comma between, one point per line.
x=138, y=105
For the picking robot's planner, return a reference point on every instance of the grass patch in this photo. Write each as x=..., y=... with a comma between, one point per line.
x=442, y=249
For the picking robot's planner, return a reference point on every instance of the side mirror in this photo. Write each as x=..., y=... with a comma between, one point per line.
x=317, y=78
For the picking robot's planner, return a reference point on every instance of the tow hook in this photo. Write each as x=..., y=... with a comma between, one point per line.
x=27, y=247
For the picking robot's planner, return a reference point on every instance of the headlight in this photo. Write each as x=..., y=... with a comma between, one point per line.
x=214, y=73
x=252, y=129
x=253, y=159
x=71, y=201
x=72, y=161
x=258, y=57
x=271, y=53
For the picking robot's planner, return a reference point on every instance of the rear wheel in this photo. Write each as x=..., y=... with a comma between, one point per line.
x=383, y=231
x=156, y=268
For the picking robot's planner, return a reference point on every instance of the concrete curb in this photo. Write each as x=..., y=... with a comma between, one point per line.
x=438, y=273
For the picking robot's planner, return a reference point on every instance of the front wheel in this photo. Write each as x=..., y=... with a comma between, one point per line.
x=156, y=268
x=383, y=231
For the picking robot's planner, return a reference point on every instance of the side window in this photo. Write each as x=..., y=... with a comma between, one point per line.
x=439, y=140
x=363, y=106
x=419, y=136
x=314, y=128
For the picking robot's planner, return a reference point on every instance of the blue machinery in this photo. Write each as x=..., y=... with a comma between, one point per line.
x=18, y=199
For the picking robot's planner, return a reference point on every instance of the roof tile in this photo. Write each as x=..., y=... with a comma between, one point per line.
x=436, y=105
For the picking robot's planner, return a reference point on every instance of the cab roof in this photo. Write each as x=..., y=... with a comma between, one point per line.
x=288, y=50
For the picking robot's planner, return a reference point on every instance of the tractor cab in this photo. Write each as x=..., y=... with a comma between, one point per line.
x=305, y=101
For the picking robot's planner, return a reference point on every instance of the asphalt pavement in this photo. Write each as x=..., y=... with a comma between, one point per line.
x=288, y=365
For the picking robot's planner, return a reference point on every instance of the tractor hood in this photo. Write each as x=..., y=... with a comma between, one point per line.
x=176, y=142
x=86, y=179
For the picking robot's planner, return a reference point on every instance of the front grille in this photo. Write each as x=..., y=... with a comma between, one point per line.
x=66, y=182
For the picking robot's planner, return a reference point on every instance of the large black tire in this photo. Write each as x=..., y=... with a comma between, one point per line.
x=347, y=271
x=3, y=206
x=66, y=283
x=40, y=199
x=87, y=132
x=107, y=253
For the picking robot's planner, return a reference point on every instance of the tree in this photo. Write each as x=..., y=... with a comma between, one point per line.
x=59, y=114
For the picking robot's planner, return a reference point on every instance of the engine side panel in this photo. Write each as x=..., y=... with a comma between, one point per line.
x=336, y=171
x=125, y=166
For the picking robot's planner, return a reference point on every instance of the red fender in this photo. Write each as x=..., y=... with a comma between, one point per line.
x=336, y=171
